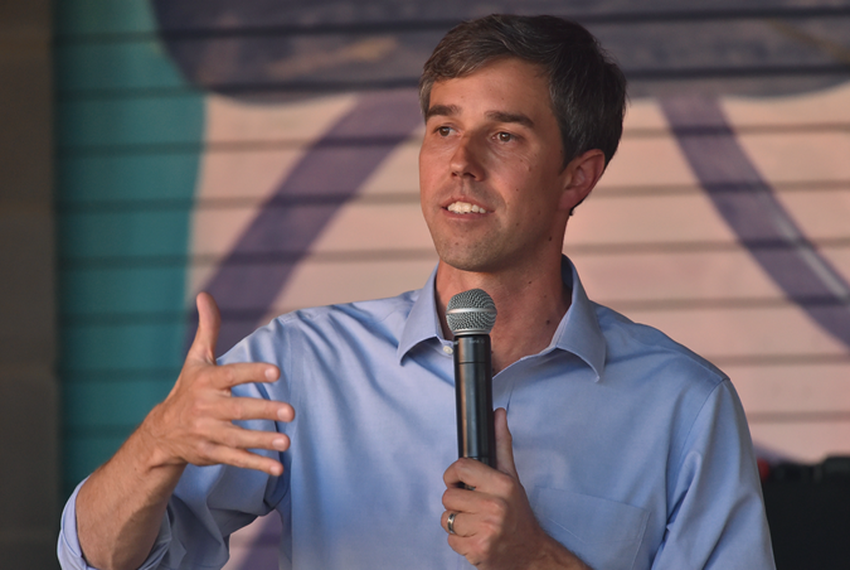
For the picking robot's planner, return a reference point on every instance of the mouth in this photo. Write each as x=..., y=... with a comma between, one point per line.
x=465, y=208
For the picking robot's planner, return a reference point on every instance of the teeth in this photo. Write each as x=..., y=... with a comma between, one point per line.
x=465, y=208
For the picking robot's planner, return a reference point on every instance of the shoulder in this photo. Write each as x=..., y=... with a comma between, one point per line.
x=652, y=357
x=677, y=388
x=389, y=312
x=376, y=318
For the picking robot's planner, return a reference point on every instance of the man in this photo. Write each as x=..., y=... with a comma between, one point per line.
x=625, y=450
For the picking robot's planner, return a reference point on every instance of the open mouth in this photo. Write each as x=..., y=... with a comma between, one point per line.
x=465, y=208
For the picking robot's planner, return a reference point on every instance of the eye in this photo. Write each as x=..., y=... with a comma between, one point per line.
x=444, y=131
x=504, y=137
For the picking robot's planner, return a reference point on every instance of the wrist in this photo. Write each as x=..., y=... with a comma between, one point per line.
x=555, y=556
x=152, y=450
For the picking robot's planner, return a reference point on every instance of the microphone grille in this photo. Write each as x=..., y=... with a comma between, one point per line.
x=471, y=312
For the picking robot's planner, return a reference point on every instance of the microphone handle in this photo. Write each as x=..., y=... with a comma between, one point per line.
x=476, y=432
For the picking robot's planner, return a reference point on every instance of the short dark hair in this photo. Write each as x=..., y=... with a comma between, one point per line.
x=587, y=89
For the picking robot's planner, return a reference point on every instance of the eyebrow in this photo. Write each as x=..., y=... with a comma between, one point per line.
x=503, y=117
x=498, y=116
x=442, y=111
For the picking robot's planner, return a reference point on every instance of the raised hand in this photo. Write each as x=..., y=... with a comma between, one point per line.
x=493, y=525
x=194, y=423
x=120, y=507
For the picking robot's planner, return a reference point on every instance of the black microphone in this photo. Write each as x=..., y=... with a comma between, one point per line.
x=471, y=316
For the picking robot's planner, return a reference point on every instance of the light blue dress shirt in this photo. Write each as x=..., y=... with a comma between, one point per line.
x=634, y=451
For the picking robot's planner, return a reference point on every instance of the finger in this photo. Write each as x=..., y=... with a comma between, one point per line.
x=242, y=409
x=230, y=375
x=466, y=471
x=451, y=476
x=246, y=460
x=462, y=500
x=209, y=324
x=463, y=524
x=504, y=444
x=236, y=437
x=453, y=528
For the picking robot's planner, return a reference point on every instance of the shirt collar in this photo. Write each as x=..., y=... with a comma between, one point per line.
x=422, y=323
x=578, y=332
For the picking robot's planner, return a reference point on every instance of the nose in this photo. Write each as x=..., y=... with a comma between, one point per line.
x=466, y=159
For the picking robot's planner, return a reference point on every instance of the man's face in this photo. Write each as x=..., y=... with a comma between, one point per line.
x=490, y=169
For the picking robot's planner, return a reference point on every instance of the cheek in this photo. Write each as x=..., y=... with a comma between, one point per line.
x=425, y=171
x=426, y=184
x=429, y=162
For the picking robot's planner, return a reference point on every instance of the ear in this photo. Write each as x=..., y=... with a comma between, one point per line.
x=582, y=174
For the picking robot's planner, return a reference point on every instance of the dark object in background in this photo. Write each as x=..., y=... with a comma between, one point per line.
x=808, y=509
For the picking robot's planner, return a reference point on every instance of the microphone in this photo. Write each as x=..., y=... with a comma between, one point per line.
x=471, y=315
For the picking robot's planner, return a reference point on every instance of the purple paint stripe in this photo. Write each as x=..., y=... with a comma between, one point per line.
x=750, y=207
x=253, y=274
x=265, y=548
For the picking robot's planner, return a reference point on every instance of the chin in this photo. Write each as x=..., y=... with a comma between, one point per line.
x=481, y=256
x=469, y=263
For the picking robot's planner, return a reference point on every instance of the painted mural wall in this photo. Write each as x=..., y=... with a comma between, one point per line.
x=267, y=152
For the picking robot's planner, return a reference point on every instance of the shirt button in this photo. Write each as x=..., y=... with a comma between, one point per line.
x=447, y=349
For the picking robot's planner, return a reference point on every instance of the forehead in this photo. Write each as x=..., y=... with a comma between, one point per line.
x=507, y=85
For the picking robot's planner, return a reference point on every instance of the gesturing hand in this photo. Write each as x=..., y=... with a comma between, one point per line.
x=194, y=423
x=493, y=524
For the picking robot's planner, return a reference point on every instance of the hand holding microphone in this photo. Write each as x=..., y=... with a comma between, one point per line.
x=510, y=534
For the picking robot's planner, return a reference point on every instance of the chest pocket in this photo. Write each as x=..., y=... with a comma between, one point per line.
x=605, y=534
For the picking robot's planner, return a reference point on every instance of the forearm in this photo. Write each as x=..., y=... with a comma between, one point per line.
x=120, y=508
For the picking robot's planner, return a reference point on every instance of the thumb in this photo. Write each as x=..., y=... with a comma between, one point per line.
x=504, y=444
x=209, y=324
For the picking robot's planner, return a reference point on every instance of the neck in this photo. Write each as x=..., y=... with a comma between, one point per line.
x=530, y=307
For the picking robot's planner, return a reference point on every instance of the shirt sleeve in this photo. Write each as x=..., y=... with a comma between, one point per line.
x=718, y=519
x=71, y=555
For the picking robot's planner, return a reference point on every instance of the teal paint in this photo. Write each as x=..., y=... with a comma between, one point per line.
x=121, y=294
x=109, y=126
x=122, y=255
x=102, y=401
x=89, y=180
